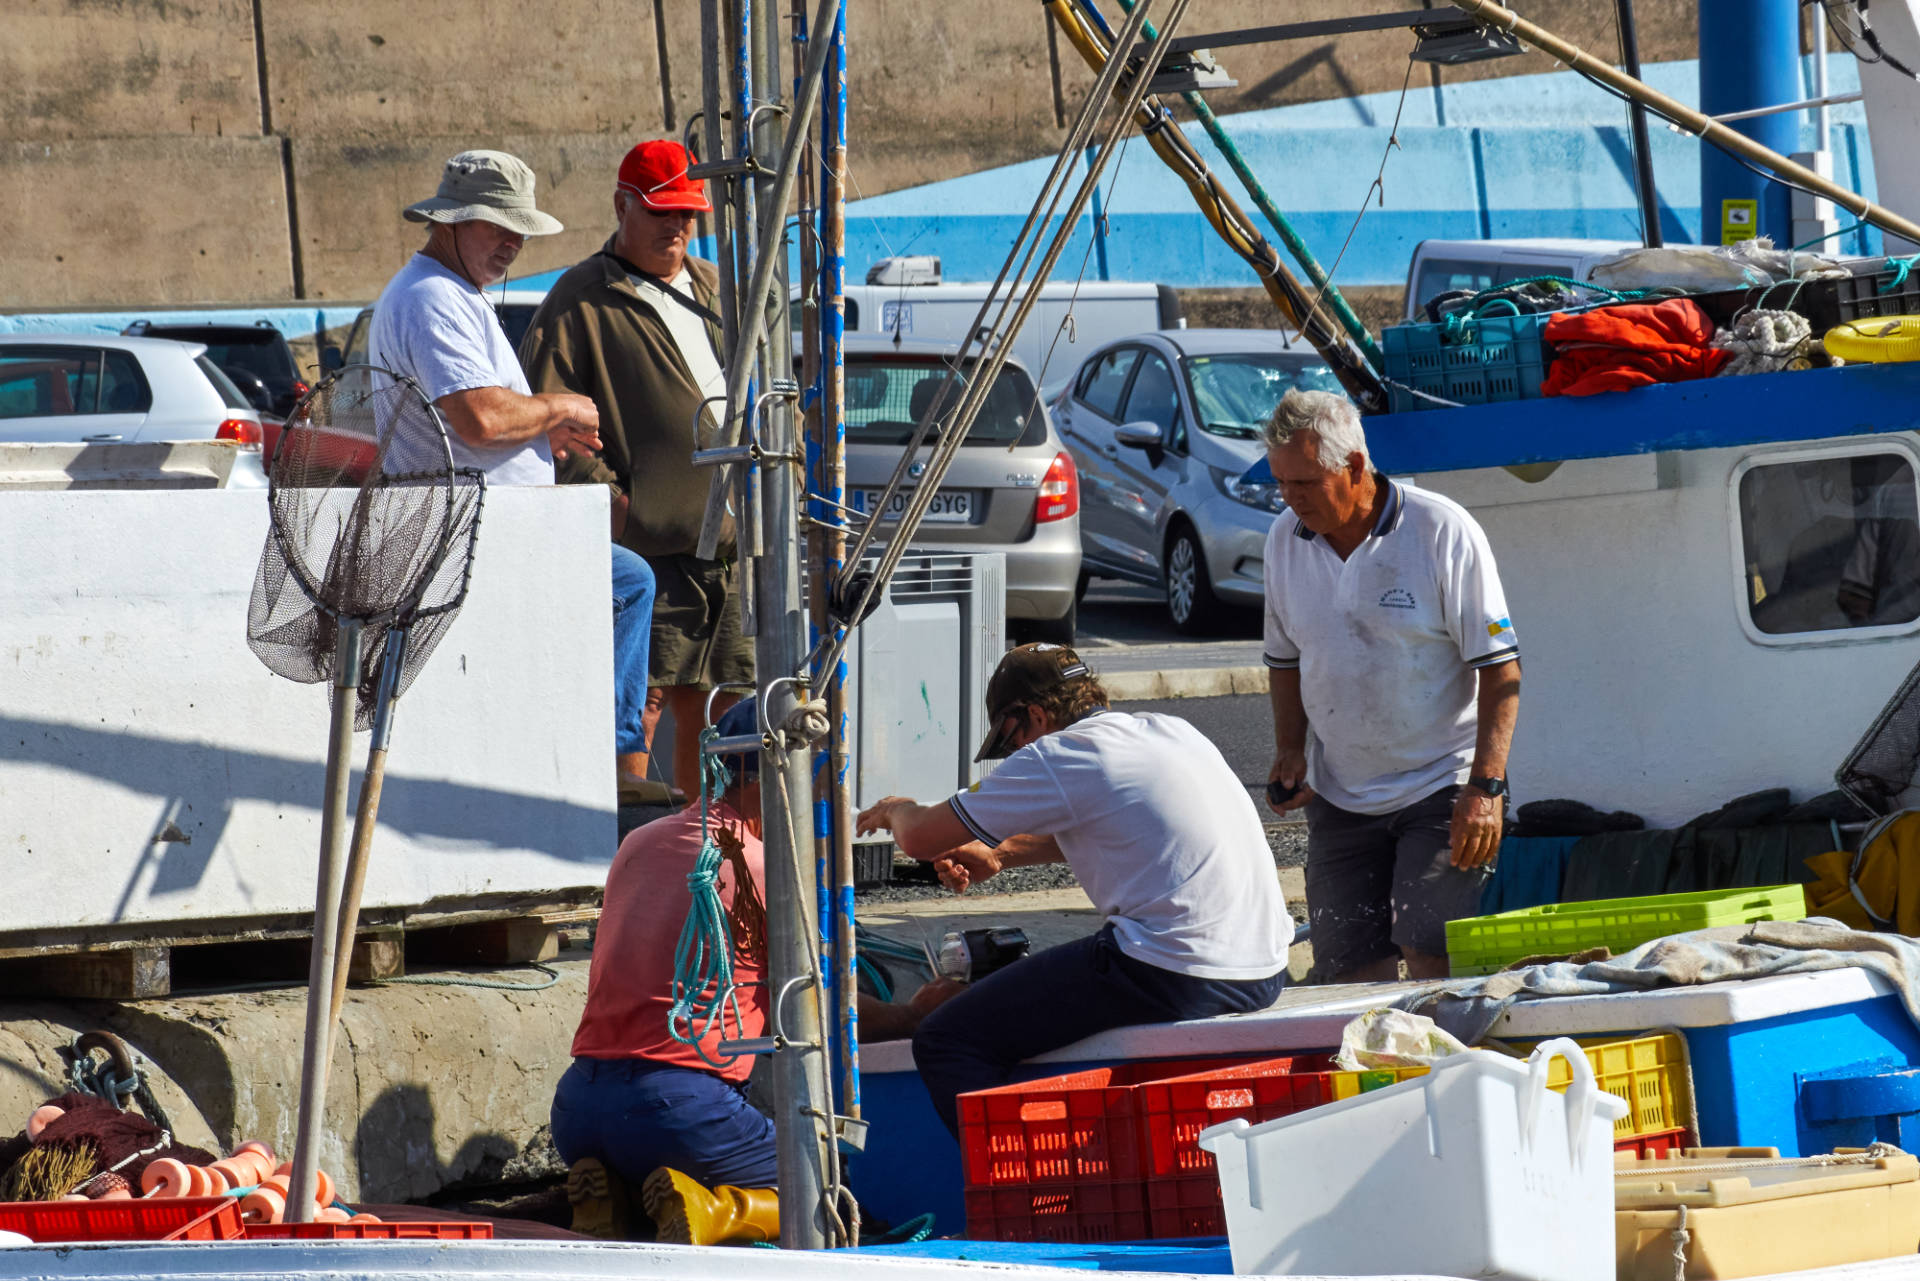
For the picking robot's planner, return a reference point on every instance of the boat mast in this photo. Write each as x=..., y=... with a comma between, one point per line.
x=758, y=478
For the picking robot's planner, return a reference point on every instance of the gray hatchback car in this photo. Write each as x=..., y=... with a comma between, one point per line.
x=1162, y=427
x=1012, y=488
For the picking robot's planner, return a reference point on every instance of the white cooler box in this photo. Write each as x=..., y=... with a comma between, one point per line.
x=1476, y=1170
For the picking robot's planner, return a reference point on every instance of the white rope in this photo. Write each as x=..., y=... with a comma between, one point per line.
x=1763, y=342
x=1680, y=1239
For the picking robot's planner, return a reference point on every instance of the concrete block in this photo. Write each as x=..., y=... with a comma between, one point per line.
x=493, y=66
x=141, y=739
x=350, y=195
x=429, y=1086
x=111, y=220
x=133, y=69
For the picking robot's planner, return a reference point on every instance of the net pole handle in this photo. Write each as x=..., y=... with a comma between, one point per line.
x=326, y=910
x=366, y=817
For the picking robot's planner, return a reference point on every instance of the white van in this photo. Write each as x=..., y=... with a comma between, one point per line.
x=1103, y=310
x=1440, y=266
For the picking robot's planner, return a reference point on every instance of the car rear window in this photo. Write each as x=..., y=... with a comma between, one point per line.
x=886, y=398
x=229, y=394
x=265, y=359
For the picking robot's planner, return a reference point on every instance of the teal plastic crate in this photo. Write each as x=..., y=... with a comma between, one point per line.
x=1484, y=944
x=1493, y=358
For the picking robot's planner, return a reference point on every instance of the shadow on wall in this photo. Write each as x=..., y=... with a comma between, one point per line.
x=397, y=1159
x=197, y=785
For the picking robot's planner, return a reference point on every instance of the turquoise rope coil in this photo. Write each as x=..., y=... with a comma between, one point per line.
x=703, y=989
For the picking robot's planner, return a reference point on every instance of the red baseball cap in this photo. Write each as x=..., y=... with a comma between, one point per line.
x=656, y=172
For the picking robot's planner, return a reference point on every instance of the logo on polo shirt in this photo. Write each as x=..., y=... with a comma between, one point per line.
x=1497, y=625
x=1397, y=598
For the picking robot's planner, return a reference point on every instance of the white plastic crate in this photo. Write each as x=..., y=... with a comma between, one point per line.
x=1476, y=1170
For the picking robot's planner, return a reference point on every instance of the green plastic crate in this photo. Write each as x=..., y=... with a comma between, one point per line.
x=1484, y=944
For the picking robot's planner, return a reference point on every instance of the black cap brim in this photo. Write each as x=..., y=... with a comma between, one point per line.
x=997, y=745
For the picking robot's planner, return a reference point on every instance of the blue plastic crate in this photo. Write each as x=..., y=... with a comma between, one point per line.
x=1494, y=358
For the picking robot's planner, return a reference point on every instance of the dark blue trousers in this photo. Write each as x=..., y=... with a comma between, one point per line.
x=638, y=1116
x=1055, y=998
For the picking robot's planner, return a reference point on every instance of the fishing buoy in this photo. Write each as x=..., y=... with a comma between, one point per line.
x=165, y=1177
x=331, y=1214
x=250, y=1163
x=323, y=1187
x=255, y=1147
x=199, y=1181
x=121, y=1193
x=1876, y=340
x=365, y=1218
x=237, y=1174
x=263, y=1205
x=42, y=1117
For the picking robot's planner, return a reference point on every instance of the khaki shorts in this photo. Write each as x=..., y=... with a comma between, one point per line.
x=696, y=624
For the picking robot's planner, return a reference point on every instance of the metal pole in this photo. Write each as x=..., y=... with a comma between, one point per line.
x=317, y=1054
x=801, y=1099
x=833, y=472
x=712, y=84
x=1637, y=127
x=1705, y=127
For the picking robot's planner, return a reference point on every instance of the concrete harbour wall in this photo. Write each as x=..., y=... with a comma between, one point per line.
x=157, y=152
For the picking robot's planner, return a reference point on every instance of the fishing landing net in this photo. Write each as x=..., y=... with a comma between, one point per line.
x=371, y=522
x=1883, y=763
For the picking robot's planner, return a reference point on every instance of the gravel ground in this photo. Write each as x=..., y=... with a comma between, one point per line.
x=916, y=880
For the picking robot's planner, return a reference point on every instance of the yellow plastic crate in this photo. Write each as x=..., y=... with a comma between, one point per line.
x=1650, y=1072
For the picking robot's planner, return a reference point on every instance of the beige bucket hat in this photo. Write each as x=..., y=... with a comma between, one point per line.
x=487, y=186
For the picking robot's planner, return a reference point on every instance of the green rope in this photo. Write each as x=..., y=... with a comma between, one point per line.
x=918, y=1228
x=703, y=988
x=1334, y=299
x=1457, y=323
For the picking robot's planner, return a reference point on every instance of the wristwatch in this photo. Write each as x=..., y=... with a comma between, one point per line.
x=1491, y=786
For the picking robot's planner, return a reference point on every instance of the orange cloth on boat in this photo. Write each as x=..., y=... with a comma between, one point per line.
x=630, y=983
x=1630, y=345
x=1888, y=877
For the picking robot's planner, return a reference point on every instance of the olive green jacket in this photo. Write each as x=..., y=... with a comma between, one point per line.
x=595, y=336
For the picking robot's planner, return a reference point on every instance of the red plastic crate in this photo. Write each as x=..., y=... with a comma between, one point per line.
x=1182, y=1187
x=1060, y=1159
x=370, y=1231
x=140, y=1219
x=1060, y=1212
x=1662, y=1143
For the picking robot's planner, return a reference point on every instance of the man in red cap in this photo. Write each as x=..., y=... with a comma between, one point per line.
x=635, y=327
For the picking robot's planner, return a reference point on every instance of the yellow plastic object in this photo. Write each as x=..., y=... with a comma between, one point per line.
x=1348, y=1084
x=1748, y=1216
x=1650, y=1072
x=1876, y=340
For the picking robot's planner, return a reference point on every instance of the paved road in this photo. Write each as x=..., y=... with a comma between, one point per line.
x=1120, y=613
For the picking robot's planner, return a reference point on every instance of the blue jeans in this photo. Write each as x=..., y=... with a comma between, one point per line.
x=637, y=1116
x=632, y=630
x=1054, y=998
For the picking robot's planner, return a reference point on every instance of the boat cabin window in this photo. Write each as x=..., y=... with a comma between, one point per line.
x=1830, y=544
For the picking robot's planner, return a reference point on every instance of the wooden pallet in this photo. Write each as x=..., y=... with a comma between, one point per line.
x=127, y=970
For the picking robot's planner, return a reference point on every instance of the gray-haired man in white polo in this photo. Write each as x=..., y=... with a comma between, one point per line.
x=1395, y=678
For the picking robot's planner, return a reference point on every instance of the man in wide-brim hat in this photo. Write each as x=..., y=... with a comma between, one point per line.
x=433, y=324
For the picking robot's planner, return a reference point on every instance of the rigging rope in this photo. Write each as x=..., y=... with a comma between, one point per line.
x=704, y=993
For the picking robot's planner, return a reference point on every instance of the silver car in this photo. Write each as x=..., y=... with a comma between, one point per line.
x=1011, y=489
x=1162, y=426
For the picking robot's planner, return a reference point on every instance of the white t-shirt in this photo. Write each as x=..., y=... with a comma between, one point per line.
x=689, y=333
x=1387, y=643
x=1158, y=831
x=437, y=329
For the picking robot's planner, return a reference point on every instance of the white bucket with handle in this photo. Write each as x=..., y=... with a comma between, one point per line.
x=1475, y=1170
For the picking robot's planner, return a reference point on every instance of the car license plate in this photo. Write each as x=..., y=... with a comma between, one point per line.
x=950, y=506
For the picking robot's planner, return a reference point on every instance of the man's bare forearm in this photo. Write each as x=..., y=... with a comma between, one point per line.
x=1289, y=712
x=1026, y=851
x=1499, y=707
x=499, y=416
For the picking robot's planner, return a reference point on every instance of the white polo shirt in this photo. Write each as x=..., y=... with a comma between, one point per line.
x=1387, y=643
x=1158, y=831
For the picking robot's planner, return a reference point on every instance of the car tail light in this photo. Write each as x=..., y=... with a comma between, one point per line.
x=300, y=388
x=1059, y=491
x=244, y=430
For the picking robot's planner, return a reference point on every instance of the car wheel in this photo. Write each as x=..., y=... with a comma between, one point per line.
x=1052, y=631
x=1080, y=586
x=1190, y=600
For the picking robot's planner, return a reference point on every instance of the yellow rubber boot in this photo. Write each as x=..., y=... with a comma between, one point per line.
x=686, y=1213
x=601, y=1204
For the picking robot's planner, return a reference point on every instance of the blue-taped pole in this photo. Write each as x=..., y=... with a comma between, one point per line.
x=833, y=435
x=1334, y=300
